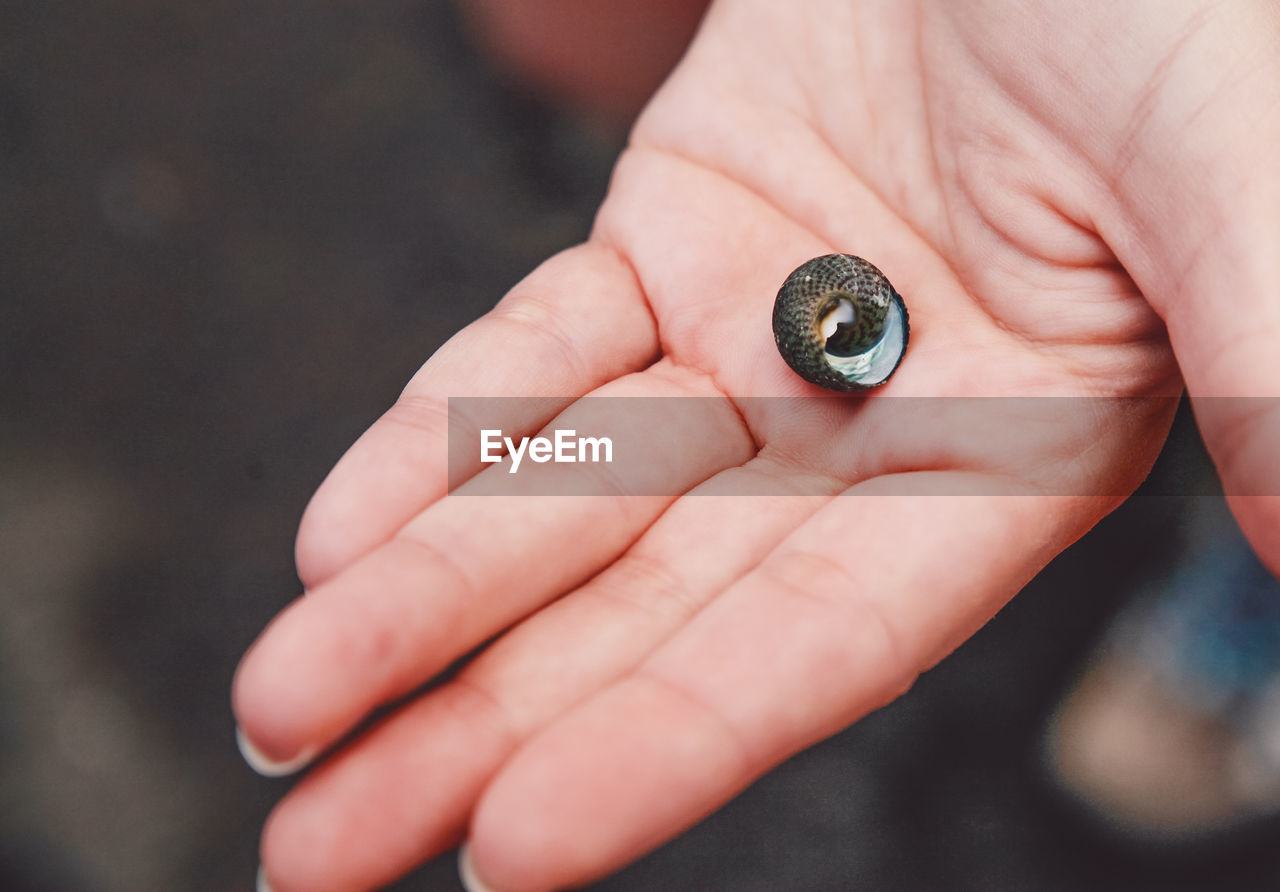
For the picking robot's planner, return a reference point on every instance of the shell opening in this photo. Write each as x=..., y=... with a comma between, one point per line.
x=877, y=363
x=842, y=312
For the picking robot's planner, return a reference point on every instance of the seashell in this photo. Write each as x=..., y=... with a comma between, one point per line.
x=840, y=324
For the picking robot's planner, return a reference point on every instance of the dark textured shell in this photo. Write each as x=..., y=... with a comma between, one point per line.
x=864, y=350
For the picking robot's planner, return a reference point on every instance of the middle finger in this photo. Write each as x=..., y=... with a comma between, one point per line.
x=400, y=615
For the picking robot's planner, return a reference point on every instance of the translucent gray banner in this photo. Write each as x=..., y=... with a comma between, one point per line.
x=854, y=446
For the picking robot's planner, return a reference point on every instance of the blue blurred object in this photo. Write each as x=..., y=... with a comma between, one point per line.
x=1215, y=631
x=1172, y=731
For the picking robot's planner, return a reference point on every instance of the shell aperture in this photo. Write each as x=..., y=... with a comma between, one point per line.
x=839, y=323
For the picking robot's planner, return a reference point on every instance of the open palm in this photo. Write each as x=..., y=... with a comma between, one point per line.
x=1048, y=186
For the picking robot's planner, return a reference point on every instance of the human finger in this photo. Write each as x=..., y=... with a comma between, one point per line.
x=837, y=621
x=578, y=321
x=1196, y=223
x=401, y=614
x=425, y=766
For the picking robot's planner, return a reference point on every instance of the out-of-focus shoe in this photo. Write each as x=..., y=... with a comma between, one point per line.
x=1172, y=732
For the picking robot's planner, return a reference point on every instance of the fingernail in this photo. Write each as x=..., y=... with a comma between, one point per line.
x=269, y=767
x=263, y=885
x=467, y=871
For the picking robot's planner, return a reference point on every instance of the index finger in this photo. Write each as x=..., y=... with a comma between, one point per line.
x=576, y=322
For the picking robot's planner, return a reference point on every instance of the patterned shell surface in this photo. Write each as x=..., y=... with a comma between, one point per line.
x=840, y=324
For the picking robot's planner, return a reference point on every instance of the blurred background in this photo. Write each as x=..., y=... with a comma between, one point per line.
x=229, y=233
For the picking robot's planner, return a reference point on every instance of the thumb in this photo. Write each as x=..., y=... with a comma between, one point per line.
x=1202, y=194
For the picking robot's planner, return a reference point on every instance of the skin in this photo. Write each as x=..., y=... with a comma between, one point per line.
x=1076, y=198
x=603, y=60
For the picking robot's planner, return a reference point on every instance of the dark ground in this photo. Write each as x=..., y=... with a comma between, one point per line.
x=228, y=234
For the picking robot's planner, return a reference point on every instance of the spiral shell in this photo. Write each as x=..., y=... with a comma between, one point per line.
x=840, y=324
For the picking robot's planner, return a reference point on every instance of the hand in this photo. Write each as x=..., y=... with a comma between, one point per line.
x=1050, y=185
